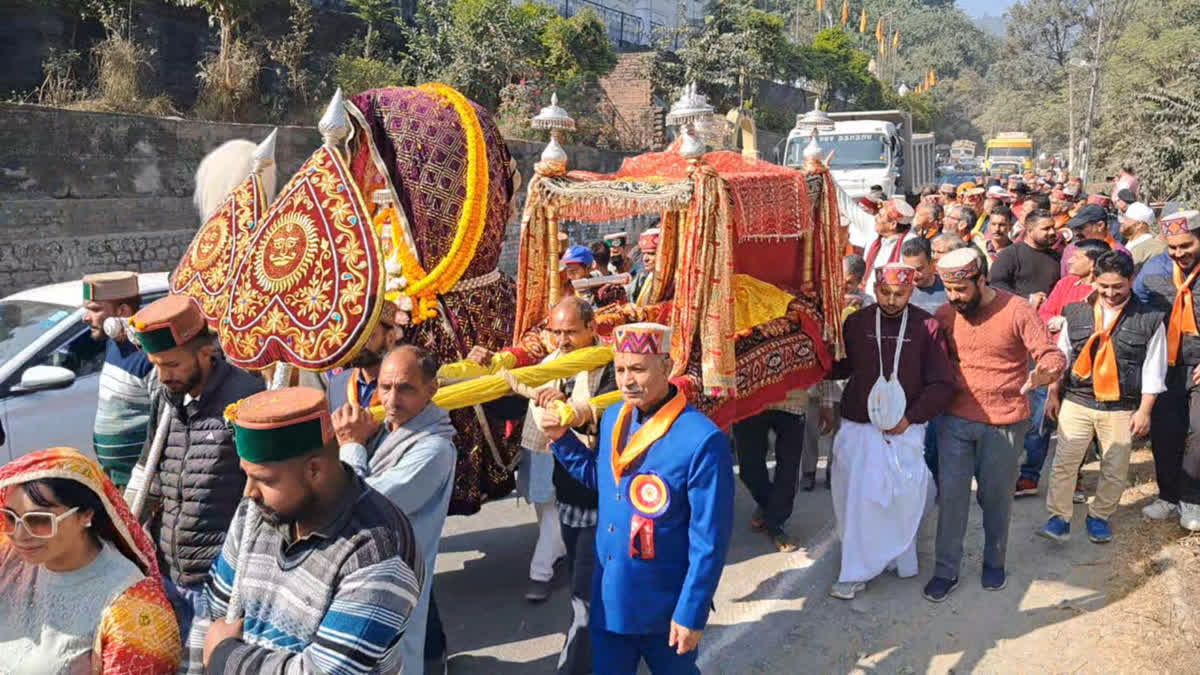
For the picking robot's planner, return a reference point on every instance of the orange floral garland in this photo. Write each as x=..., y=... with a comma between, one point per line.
x=425, y=287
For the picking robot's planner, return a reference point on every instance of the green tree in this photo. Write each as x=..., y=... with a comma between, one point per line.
x=842, y=71
x=737, y=46
x=226, y=14
x=374, y=13
x=577, y=48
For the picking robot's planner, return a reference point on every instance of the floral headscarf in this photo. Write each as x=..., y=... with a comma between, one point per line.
x=71, y=464
x=137, y=632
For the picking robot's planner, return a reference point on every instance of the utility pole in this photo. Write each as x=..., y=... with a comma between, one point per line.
x=1071, y=118
x=1087, y=127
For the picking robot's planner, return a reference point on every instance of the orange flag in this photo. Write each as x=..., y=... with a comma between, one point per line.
x=896, y=40
x=879, y=31
x=820, y=5
x=862, y=21
x=932, y=77
x=845, y=12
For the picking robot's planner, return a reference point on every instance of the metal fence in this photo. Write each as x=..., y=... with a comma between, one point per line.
x=623, y=28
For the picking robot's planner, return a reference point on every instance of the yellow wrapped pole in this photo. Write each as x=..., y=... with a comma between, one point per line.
x=491, y=387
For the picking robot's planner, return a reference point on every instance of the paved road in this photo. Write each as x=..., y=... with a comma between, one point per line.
x=483, y=568
x=774, y=614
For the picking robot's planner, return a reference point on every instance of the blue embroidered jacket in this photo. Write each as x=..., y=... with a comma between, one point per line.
x=691, y=538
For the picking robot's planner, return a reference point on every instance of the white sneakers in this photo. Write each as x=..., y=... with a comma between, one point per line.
x=846, y=590
x=1159, y=510
x=1189, y=516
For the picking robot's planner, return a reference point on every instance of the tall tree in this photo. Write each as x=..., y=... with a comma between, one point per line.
x=374, y=13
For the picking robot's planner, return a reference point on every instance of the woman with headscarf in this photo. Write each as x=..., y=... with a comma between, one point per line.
x=81, y=584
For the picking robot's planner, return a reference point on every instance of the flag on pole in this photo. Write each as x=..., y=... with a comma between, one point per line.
x=845, y=12
x=896, y=40
x=862, y=21
x=879, y=30
x=932, y=77
x=820, y=5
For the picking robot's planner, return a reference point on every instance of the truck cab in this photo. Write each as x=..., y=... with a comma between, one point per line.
x=870, y=148
x=1008, y=152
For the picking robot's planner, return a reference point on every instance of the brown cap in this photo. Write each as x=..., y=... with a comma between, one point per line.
x=110, y=286
x=273, y=426
x=167, y=323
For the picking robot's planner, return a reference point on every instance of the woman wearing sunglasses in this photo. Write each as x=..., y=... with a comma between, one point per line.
x=79, y=577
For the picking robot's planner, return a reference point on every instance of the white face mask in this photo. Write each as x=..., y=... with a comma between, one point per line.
x=886, y=401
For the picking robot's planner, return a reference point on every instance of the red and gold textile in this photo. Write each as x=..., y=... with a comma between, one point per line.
x=310, y=283
x=774, y=358
x=410, y=142
x=209, y=263
x=137, y=632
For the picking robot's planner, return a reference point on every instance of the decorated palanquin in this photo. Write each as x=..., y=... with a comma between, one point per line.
x=748, y=269
x=405, y=203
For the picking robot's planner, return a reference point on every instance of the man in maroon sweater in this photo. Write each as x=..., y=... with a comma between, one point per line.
x=880, y=481
x=992, y=335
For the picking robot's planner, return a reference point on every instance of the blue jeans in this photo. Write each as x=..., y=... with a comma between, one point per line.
x=1037, y=439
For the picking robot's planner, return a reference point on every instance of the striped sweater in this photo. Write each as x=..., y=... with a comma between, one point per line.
x=336, y=601
x=123, y=410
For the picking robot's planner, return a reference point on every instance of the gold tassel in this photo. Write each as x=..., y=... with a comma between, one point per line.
x=862, y=21
x=845, y=12
x=896, y=40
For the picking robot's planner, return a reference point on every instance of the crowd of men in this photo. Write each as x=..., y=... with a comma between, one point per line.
x=296, y=532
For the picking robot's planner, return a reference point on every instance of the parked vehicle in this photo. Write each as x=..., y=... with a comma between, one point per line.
x=875, y=147
x=50, y=367
x=1008, y=152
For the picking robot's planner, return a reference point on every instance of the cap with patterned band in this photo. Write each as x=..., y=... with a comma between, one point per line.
x=1180, y=222
x=648, y=240
x=282, y=424
x=642, y=338
x=959, y=265
x=167, y=323
x=896, y=274
x=107, y=286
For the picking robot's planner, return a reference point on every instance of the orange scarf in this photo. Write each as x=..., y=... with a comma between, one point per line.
x=1183, y=315
x=352, y=391
x=1103, y=367
x=623, y=456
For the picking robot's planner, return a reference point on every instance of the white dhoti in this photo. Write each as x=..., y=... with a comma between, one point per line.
x=880, y=486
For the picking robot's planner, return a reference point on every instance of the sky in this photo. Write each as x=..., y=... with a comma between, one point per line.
x=978, y=8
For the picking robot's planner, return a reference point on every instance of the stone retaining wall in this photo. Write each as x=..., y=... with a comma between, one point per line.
x=83, y=192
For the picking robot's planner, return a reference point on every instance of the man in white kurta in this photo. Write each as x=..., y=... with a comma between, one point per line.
x=899, y=378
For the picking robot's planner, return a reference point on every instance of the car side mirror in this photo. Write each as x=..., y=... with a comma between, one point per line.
x=45, y=378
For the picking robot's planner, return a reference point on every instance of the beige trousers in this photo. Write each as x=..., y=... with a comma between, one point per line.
x=1076, y=425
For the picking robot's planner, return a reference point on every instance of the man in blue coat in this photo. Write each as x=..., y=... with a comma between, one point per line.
x=664, y=474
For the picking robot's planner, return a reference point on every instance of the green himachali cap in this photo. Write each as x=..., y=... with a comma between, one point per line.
x=282, y=424
x=167, y=323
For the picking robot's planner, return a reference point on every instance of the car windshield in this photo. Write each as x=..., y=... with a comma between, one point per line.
x=850, y=151
x=855, y=151
x=1001, y=151
x=23, y=321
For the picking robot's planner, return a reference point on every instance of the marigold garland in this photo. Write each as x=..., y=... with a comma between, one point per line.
x=424, y=287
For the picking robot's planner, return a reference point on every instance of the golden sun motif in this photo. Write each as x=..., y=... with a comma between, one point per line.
x=211, y=242
x=286, y=252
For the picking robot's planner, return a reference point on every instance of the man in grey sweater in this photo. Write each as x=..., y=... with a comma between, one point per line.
x=410, y=459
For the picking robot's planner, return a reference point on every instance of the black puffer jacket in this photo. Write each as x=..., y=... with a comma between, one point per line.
x=199, y=480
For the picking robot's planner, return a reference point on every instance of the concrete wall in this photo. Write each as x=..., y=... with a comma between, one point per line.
x=85, y=192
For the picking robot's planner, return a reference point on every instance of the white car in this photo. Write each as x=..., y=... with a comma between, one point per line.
x=50, y=367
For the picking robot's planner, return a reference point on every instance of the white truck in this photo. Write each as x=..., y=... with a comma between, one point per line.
x=875, y=147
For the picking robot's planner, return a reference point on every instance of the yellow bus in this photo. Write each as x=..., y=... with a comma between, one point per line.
x=1009, y=152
